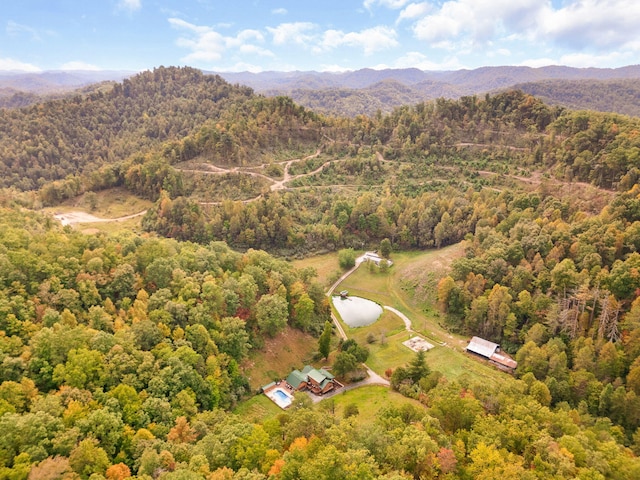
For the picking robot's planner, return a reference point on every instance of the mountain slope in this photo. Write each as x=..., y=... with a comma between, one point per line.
x=621, y=96
x=51, y=140
x=57, y=81
x=363, y=91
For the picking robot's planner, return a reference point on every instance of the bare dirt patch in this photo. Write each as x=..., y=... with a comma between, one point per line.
x=418, y=344
x=71, y=218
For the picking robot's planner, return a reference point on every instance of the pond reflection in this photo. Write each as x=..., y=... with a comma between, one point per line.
x=357, y=311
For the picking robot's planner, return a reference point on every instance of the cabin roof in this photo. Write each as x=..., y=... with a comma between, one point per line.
x=296, y=378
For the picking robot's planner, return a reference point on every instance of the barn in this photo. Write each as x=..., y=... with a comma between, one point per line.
x=491, y=351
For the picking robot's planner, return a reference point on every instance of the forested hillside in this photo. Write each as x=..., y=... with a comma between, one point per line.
x=619, y=96
x=366, y=91
x=52, y=140
x=123, y=354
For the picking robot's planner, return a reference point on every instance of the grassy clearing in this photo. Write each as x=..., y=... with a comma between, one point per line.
x=257, y=409
x=111, y=203
x=291, y=349
x=410, y=287
x=455, y=364
x=326, y=265
x=111, y=228
x=370, y=400
x=390, y=354
x=389, y=324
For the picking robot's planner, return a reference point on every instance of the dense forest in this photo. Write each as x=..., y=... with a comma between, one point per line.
x=619, y=96
x=364, y=91
x=123, y=354
x=51, y=140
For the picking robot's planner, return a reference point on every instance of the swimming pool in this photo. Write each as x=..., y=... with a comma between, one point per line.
x=280, y=397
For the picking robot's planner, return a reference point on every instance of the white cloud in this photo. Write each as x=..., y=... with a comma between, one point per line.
x=476, y=21
x=538, y=62
x=370, y=40
x=130, y=5
x=334, y=68
x=279, y=11
x=422, y=62
x=243, y=37
x=256, y=50
x=205, y=46
x=393, y=4
x=14, y=29
x=208, y=46
x=414, y=10
x=241, y=67
x=578, y=25
x=79, y=66
x=9, y=64
x=600, y=24
x=583, y=60
x=296, y=32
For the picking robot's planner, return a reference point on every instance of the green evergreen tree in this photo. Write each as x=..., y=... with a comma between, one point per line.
x=324, y=342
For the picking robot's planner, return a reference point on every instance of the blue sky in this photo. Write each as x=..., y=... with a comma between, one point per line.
x=327, y=35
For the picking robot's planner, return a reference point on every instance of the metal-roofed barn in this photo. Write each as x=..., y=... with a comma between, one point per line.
x=491, y=351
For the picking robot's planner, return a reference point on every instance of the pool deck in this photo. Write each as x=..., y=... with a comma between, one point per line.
x=270, y=389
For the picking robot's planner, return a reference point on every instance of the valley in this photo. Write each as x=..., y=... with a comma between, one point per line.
x=167, y=247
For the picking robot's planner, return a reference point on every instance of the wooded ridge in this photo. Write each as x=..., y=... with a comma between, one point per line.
x=122, y=354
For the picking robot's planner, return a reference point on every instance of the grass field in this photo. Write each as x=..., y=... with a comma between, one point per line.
x=388, y=324
x=287, y=351
x=391, y=354
x=326, y=265
x=130, y=225
x=456, y=364
x=257, y=409
x=370, y=400
x=410, y=286
x=112, y=203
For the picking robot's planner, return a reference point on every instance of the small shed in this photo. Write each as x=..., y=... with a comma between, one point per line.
x=375, y=258
x=268, y=387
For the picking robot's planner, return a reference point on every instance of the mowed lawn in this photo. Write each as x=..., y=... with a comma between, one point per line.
x=370, y=400
x=410, y=286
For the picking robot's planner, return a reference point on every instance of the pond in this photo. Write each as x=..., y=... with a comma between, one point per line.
x=356, y=311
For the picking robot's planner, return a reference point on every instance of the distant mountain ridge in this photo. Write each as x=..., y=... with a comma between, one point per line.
x=58, y=80
x=20, y=89
x=479, y=79
x=366, y=91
